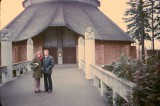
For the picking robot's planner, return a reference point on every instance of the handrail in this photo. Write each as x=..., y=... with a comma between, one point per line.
x=118, y=85
x=3, y=69
x=18, y=68
x=20, y=64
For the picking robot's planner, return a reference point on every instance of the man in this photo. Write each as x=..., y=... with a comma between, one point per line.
x=47, y=65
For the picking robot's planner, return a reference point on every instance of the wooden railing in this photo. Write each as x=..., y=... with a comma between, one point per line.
x=105, y=78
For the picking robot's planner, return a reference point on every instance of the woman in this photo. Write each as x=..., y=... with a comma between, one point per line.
x=36, y=67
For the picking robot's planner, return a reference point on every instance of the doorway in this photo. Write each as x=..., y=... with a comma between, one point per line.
x=63, y=39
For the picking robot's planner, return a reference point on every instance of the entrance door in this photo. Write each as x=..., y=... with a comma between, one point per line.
x=69, y=55
x=63, y=39
x=69, y=46
x=53, y=52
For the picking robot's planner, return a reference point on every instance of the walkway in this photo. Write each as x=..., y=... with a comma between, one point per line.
x=70, y=89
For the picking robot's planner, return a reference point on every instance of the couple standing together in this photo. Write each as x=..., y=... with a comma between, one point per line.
x=42, y=65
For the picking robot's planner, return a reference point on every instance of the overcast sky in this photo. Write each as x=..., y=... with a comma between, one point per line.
x=114, y=9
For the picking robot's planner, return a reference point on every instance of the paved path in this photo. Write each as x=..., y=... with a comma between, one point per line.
x=70, y=89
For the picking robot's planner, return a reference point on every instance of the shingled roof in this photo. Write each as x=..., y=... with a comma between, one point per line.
x=75, y=15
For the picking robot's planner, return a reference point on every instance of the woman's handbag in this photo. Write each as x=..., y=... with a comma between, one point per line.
x=34, y=67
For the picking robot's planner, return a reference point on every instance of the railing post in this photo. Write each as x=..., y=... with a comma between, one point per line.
x=114, y=96
x=103, y=88
x=24, y=65
x=89, y=51
x=96, y=81
x=17, y=72
x=80, y=51
x=23, y=70
x=6, y=55
x=83, y=65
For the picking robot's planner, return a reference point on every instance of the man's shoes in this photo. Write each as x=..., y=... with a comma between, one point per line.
x=49, y=91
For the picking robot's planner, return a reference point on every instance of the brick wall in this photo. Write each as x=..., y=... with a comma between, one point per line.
x=19, y=51
x=110, y=51
x=99, y=47
x=133, y=52
x=38, y=42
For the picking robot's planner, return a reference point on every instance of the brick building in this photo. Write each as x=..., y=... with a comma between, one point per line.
x=72, y=30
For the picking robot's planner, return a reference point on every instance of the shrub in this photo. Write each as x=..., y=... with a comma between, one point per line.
x=147, y=78
x=124, y=68
x=109, y=96
x=145, y=75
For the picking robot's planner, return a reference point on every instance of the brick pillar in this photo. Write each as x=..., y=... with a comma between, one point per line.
x=30, y=50
x=80, y=51
x=89, y=51
x=6, y=55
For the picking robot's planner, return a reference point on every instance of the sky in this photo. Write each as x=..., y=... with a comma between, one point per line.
x=114, y=9
x=11, y=8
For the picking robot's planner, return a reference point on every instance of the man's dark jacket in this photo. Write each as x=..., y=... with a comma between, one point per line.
x=47, y=65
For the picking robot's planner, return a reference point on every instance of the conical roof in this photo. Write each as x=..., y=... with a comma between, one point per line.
x=77, y=16
x=27, y=3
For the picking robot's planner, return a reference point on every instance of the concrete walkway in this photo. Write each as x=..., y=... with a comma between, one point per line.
x=70, y=89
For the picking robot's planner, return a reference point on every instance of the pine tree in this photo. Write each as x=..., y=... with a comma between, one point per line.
x=153, y=17
x=157, y=35
x=137, y=19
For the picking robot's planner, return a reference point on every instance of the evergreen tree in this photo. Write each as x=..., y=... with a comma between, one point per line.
x=153, y=17
x=157, y=35
x=147, y=78
x=137, y=19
